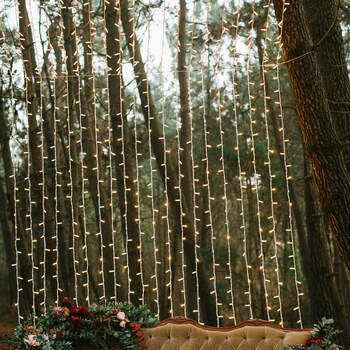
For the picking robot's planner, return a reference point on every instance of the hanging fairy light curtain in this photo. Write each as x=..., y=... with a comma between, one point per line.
x=160, y=181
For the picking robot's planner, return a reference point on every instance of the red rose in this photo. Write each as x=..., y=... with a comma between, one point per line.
x=83, y=311
x=76, y=323
x=139, y=334
x=80, y=311
x=136, y=326
x=66, y=303
x=316, y=341
x=75, y=311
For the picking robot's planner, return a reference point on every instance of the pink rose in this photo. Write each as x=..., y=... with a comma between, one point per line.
x=121, y=315
x=32, y=341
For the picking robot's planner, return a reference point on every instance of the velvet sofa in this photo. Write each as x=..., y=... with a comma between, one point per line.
x=180, y=333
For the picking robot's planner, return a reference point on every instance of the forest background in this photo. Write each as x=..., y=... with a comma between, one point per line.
x=207, y=106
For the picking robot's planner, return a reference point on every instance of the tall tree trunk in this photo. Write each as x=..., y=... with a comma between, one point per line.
x=323, y=291
x=92, y=153
x=74, y=175
x=323, y=147
x=7, y=206
x=122, y=148
x=326, y=32
x=150, y=112
x=297, y=212
x=39, y=204
x=327, y=38
x=185, y=161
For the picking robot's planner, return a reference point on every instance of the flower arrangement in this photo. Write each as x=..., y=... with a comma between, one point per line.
x=64, y=327
x=322, y=337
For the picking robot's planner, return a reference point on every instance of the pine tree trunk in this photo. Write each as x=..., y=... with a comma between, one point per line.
x=323, y=147
x=7, y=201
x=97, y=190
x=127, y=190
x=150, y=112
x=39, y=204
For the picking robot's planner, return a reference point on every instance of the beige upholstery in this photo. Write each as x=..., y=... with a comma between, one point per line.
x=190, y=336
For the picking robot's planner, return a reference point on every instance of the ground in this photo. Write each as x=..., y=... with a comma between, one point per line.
x=8, y=322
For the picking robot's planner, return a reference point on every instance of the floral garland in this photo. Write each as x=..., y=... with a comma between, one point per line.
x=112, y=326
x=322, y=337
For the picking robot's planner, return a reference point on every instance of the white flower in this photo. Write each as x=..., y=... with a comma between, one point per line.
x=121, y=315
x=122, y=324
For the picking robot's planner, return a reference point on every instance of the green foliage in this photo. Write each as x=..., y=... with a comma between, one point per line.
x=115, y=325
x=322, y=337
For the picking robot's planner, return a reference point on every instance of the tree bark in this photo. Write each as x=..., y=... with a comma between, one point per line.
x=7, y=200
x=127, y=189
x=323, y=147
x=150, y=112
x=39, y=204
x=327, y=38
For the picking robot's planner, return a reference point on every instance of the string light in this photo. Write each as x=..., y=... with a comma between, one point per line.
x=43, y=194
x=88, y=45
x=222, y=170
x=256, y=175
x=207, y=184
x=120, y=58
x=287, y=176
x=166, y=182
x=155, y=249
x=133, y=61
x=56, y=263
x=97, y=142
x=13, y=176
x=69, y=147
x=42, y=184
x=180, y=175
x=240, y=172
x=269, y=152
x=110, y=153
x=195, y=219
x=30, y=200
x=166, y=157
x=28, y=79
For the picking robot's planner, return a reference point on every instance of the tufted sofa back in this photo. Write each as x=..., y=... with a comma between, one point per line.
x=185, y=334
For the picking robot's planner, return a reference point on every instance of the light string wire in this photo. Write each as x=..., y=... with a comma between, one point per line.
x=286, y=166
x=166, y=204
x=97, y=142
x=235, y=94
x=179, y=149
x=57, y=184
x=28, y=179
x=195, y=219
x=155, y=249
x=137, y=154
x=256, y=175
x=207, y=184
x=43, y=157
x=13, y=136
x=52, y=80
x=69, y=147
x=110, y=154
x=29, y=215
x=56, y=263
x=77, y=71
x=269, y=152
x=127, y=240
x=43, y=237
x=83, y=166
x=222, y=170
